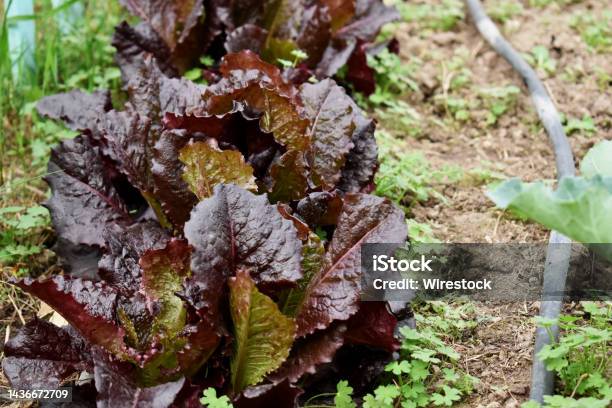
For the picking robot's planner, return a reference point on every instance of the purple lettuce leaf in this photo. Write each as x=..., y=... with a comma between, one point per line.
x=368, y=19
x=117, y=389
x=330, y=111
x=373, y=325
x=247, y=37
x=333, y=293
x=178, y=23
x=42, y=355
x=236, y=229
x=134, y=44
x=358, y=72
x=315, y=33
x=120, y=267
x=77, y=109
x=152, y=93
x=85, y=198
x=126, y=141
x=370, y=16
x=171, y=190
x=80, y=261
x=362, y=161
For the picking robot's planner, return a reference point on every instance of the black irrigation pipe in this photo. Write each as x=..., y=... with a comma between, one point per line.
x=558, y=252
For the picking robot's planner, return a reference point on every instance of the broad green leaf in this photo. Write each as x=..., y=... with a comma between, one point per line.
x=450, y=395
x=419, y=371
x=206, y=166
x=579, y=208
x=384, y=396
x=343, y=398
x=559, y=401
x=263, y=335
x=398, y=367
x=211, y=400
x=597, y=160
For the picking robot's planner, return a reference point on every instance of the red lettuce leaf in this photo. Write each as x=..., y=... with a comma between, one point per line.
x=320, y=209
x=87, y=306
x=359, y=73
x=289, y=177
x=333, y=293
x=340, y=11
x=310, y=352
x=164, y=271
x=373, y=325
x=42, y=355
x=249, y=84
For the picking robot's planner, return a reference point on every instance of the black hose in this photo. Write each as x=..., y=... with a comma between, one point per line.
x=559, y=250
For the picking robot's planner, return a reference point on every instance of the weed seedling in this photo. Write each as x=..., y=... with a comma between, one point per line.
x=503, y=11
x=400, y=116
x=499, y=100
x=585, y=125
x=442, y=16
x=595, y=32
x=393, y=78
x=541, y=60
x=427, y=373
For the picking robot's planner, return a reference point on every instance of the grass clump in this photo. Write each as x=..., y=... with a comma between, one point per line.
x=68, y=54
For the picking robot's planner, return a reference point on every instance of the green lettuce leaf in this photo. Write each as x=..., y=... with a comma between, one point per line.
x=206, y=166
x=263, y=335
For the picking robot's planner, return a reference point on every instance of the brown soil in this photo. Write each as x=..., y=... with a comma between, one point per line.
x=500, y=351
x=517, y=146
